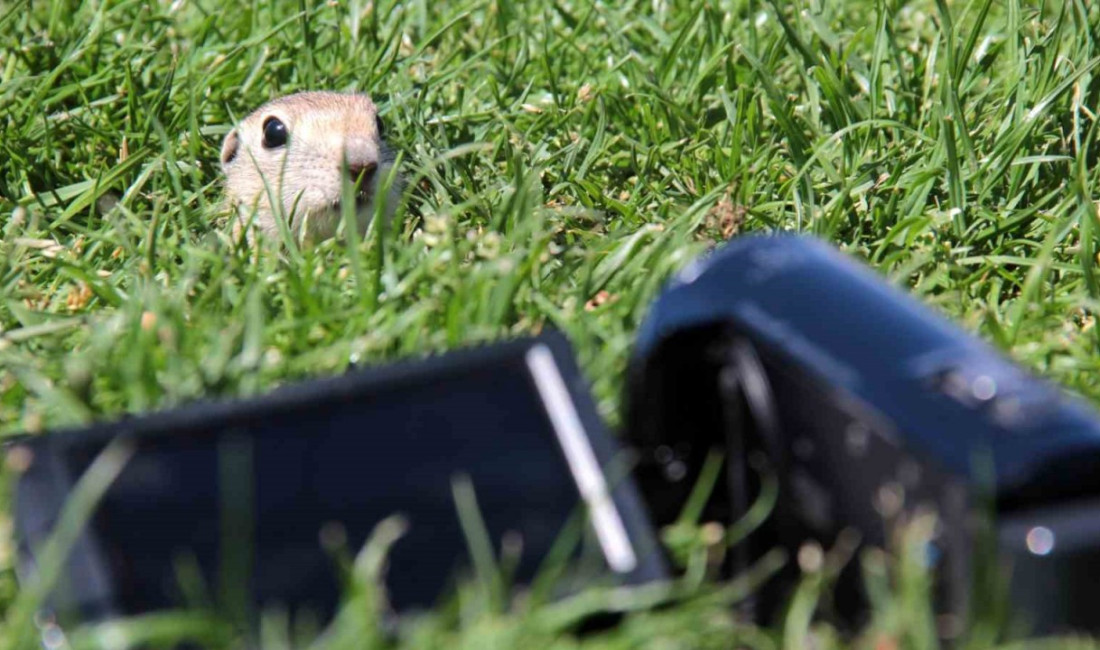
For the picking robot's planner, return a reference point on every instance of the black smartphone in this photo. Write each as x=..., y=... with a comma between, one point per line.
x=249, y=489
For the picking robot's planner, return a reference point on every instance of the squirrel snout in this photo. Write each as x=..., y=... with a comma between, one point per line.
x=364, y=171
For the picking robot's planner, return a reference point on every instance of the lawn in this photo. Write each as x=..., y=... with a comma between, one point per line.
x=562, y=160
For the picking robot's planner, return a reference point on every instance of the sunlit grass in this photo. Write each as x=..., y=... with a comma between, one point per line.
x=564, y=158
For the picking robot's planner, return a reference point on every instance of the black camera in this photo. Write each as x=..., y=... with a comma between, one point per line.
x=866, y=408
x=796, y=364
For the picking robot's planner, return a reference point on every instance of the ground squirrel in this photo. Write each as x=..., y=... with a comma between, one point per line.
x=293, y=150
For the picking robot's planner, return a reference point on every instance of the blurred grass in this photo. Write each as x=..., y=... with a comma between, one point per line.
x=564, y=159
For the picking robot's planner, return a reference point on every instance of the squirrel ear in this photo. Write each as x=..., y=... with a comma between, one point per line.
x=229, y=147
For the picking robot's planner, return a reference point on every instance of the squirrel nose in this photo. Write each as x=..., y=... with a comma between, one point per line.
x=362, y=170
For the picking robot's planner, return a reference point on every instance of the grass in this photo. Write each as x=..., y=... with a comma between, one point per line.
x=564, y=158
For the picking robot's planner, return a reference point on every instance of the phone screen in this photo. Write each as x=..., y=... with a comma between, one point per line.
x=256, y=498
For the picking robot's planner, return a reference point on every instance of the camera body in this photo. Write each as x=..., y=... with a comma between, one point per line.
x=867, y=408
x=824, y=388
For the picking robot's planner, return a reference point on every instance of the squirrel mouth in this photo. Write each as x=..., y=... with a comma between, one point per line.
x=362, y=178
x=362, y=200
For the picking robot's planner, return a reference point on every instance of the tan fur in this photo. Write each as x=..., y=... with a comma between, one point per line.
x=304, y=176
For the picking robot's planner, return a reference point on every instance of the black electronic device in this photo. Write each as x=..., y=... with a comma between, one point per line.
x=793, y=359
x=866, y=406
x=273, y=472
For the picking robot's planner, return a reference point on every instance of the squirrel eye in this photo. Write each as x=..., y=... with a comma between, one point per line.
x=378, y=126
x=274, y=133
